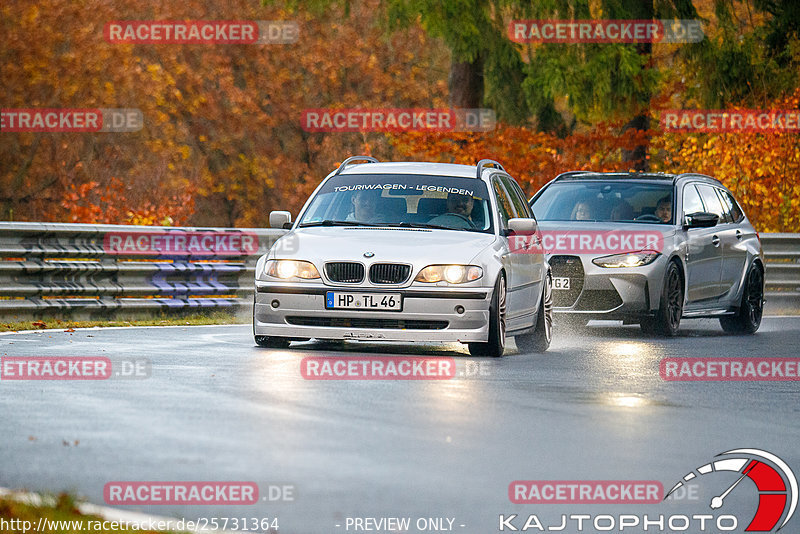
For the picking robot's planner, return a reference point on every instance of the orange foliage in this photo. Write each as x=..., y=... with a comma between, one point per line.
x=762, y=169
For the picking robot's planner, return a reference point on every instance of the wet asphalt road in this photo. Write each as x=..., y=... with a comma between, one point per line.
x=217, y=408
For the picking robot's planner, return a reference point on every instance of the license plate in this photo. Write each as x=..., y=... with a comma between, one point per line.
x=560, y=283
x=338, y=300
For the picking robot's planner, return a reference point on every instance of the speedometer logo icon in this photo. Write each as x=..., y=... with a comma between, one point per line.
x=775, y=481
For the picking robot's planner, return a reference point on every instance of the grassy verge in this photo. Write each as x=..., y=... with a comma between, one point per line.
x=62, y=514
x=217, y=317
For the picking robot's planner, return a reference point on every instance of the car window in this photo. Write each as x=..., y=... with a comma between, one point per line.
x=735, y=213
x=457, y=203
x=691, y=200
x=517, y=197
x=711, y=201
x=504, y=206
x=607, y=201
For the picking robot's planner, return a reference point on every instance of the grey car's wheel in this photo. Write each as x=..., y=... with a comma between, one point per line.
x=539, y=340
x=748, y=318
x=670, y=310
x=496, y=344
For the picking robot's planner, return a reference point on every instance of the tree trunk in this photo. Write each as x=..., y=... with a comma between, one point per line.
x=466, y=83
x=642, y=10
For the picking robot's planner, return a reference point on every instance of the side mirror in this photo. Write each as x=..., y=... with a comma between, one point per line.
x=279, y=219
x=700, y=219
x=522, y=226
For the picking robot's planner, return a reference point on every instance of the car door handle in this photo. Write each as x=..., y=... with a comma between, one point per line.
x=715, y=240
x=739, y=235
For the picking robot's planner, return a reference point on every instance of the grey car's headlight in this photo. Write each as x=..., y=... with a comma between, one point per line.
x=286, y=269
x=455, y=274
x=628, y=259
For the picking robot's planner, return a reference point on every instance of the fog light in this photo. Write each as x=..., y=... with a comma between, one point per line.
x=460, y=310
x=276, y=303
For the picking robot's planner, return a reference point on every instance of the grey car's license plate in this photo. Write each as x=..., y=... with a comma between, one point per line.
x=340, y=300
x=560, y=282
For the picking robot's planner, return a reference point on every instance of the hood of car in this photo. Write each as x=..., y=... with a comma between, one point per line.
x=400, y=245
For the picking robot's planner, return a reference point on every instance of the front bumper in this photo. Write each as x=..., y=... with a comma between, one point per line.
x=428, y=315
x=607, y=293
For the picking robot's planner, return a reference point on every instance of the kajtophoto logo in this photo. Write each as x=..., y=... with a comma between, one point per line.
x=718, y=482
x=775, y=482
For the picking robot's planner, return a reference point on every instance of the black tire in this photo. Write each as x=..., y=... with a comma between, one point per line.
x=667, y=319
x=539, y=340
x=496, y=344
x=748, y=318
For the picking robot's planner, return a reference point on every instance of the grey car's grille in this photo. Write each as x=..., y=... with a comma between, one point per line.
x=567, y=267
x=599, y=300
x=345, y=272
x=359, y=322
x=389, y=273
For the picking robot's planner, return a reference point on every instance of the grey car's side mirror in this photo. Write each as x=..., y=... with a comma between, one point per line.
x=700, y=219
x=280, y=219
x=522, y=226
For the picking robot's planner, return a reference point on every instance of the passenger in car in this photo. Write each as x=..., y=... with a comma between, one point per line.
x=582, y=212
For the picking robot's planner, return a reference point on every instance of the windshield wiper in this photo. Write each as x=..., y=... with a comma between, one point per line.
x=328, y=222
x=423, y=225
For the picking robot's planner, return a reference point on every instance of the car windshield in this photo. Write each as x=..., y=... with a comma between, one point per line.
x=406, y=200
x=616, y=201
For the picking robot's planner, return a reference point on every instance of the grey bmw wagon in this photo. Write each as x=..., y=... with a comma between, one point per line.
x=650, y=249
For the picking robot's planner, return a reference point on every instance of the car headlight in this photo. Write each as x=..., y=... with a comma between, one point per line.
x=627, y=259
x=455, y=274
x=286, y=269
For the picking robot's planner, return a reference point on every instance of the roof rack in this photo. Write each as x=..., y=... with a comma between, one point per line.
x=487, y=162
x=695, y=174
x=572, y=173
x=354, y=158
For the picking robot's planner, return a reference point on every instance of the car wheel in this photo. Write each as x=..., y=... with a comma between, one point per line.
x=748, y=318
x=670, y=310
x=267, y=341
x=539, y=340
x=497, y=324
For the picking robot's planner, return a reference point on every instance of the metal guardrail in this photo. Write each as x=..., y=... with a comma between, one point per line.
x=105, y=271
x=84, y=271
x=782, y=257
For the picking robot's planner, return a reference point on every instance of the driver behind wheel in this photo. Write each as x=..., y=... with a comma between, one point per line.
x=664, y=209
x=459, y=208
